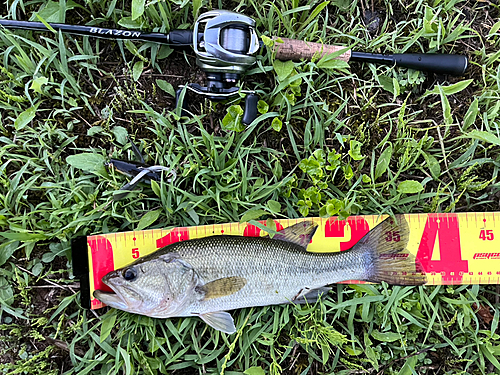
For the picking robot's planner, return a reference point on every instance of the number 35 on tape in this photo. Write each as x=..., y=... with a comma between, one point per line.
x=453, y=249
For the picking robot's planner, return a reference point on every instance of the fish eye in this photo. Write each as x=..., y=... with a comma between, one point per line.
x=129, y=274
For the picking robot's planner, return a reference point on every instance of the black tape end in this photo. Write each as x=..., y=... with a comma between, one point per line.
x=80, y=260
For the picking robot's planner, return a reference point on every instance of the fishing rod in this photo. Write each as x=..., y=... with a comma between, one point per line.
x=226, y=44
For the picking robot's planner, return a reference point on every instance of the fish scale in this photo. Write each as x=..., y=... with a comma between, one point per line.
x=275, y=271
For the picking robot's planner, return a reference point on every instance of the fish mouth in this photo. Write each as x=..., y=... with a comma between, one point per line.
x=114, y=298
x=111, y=299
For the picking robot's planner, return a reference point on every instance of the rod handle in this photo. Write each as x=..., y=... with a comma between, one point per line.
x=293, y=49
x=437, y=63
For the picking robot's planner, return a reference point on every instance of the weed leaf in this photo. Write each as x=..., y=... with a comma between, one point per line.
x=25, y=118
x=89, y=162
x=355, y=150
x=410, y=187
x=262, y=107
x=23, y=236
x=396, y=86
x=107, y=325
x=448, y=120
x=283, y=68
x=471, y=115
x=121, y=134
x=314, y=14
x=386, y=336
x=494, y=29
x=126, y=358
x=196, y=7
x=486, y=349
x=96, y=129
x=232, y=120
x=482, y=136
x=6, y=250
x=137, y=8
x=252, y=214
x=64, y=303
x=333, y=64
x=386, y=83
x=129, y=23
x=137, y=70
x=255, y=370
x=409, y=366
x=449, y=90
x=433, y=165
x=148, y=219
x=6, y=292
x=274, y=206
x=276, y=124
x=37, y=83
x=383, y=162
x=165, y=86
x=156, y=188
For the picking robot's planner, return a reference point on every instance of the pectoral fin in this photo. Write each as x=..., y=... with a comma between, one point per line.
x=220, y=320
x=223, y=287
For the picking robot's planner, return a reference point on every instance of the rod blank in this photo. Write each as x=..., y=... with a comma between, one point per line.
x=178, y=38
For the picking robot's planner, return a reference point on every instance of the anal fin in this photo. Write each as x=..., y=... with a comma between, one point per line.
x=310, y=295
x=220, y=320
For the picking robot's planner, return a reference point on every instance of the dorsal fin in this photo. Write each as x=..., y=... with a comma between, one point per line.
x=300, y=234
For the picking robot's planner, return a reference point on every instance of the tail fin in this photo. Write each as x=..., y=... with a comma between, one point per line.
x=391, y=262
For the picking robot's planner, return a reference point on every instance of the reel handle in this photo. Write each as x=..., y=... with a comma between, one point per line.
x=251, y=111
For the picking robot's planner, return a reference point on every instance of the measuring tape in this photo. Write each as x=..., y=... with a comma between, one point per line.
x=453, y=249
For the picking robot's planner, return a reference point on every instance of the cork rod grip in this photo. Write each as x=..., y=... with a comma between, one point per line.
x=292, y=49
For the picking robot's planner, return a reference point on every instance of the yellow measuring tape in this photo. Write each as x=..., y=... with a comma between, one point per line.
x=452, y=248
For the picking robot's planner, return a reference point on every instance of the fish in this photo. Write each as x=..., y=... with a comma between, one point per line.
x=207, y=277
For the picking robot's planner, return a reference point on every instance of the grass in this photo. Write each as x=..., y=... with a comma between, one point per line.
x=335, y=140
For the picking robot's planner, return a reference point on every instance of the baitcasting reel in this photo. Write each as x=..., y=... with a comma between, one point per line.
x=225, y=44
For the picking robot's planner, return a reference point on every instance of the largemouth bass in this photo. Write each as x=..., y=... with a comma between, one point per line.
x=205, y=277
